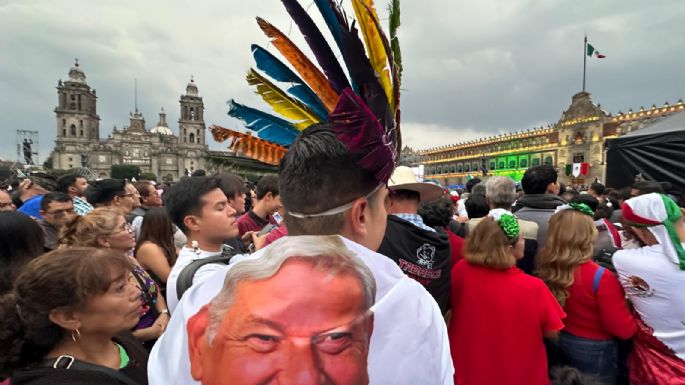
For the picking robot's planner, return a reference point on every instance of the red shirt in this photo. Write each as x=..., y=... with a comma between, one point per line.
x=252, y=222
x=600, y=316
x=497, y=326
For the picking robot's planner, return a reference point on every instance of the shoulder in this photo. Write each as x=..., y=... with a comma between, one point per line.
x=149, y=247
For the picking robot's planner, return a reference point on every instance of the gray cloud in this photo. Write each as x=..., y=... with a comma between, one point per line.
x=471, y=68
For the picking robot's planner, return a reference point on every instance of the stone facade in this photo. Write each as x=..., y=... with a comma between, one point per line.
x=157, y=150
x=578, y=137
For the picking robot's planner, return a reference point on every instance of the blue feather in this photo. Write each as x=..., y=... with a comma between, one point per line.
x=331, y=18
x=278, y=71
x=267, y=126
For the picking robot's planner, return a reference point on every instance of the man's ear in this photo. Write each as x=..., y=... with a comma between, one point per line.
x=356, y=220
x=65, y=318
x=369, y=326
x=192, y=222
x=116, y=201
x=198, y=345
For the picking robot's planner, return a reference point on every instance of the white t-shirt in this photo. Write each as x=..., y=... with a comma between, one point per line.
x=409, y=344
x=656, y=287
x=185, y=257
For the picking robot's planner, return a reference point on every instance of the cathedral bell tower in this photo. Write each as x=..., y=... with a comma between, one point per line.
x=77, y=121
x=191, y=123
x=191, y=135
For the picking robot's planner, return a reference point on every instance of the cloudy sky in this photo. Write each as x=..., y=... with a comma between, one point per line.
x=472, y=68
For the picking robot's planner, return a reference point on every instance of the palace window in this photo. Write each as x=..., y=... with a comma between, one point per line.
x=549, y=161
x=460, y=167
x=523, y=163
x=578, y=157
x=492, y=165
x=535, y=162
x=72, y=130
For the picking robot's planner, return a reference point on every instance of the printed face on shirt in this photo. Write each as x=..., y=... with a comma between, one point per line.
x=301, y=326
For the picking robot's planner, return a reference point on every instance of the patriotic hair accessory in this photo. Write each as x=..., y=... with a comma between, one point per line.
x=507, y=221
x=359, y=95
x=581, y=207
x=658, y=213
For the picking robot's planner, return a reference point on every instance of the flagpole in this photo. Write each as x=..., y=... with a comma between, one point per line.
x=584, y=60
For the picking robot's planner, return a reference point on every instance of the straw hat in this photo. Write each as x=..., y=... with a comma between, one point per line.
x=403, y=178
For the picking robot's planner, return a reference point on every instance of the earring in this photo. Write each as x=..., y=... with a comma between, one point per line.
x=75, y=336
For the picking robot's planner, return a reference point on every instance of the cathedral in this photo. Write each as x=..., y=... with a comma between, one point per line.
x=155, y=150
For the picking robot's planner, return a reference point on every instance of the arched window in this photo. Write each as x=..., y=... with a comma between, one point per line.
x=72, y=130
x=191, y=138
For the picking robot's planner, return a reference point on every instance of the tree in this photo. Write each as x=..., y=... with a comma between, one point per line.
x=148, y=176
x=125, y=171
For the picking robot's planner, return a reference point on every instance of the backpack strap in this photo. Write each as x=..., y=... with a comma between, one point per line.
x=185, y=279
x=70, y=363
x=597, y=279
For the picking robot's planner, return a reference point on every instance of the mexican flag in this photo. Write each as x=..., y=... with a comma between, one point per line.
x=577, y=169
x=591, y=51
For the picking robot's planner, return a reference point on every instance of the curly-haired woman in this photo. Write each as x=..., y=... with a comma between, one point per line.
x=592, y=296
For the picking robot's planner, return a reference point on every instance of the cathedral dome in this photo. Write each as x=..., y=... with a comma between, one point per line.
x=162, y=128
x=76, y=74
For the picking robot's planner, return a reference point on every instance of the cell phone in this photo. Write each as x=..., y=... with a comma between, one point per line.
x=267, y=229
x=278, y=218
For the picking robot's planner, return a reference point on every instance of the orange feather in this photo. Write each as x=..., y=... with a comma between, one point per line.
x=307, y=70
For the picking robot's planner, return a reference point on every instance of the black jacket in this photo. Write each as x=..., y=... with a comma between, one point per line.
x=136, y=370
x=421, y=254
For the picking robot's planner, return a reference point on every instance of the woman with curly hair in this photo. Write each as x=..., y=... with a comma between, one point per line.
x=107, y=228
x=592, y=296
x=500, y=315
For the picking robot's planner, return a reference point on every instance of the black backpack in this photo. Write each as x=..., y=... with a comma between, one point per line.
x=185, y=279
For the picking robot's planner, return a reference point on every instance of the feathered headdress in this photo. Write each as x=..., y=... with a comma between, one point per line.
x=362, y=104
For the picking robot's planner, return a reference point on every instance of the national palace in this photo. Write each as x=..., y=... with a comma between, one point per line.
x=575, y=145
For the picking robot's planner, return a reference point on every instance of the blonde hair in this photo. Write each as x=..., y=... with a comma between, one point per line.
x=85, y=230
x=488, y=246
x=569, y=243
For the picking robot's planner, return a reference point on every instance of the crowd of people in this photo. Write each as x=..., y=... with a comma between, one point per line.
x=302, y=279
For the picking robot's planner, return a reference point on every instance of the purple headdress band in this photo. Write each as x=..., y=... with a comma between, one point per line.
x=357, y=127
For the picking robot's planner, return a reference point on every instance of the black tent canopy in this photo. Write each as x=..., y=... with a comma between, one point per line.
x=657, y=152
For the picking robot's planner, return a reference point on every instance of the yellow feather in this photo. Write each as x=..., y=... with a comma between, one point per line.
x=365, y=11
x=281, y=102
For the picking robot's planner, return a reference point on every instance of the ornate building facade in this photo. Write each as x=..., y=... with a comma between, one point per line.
x=157, y=150
x=577, y=138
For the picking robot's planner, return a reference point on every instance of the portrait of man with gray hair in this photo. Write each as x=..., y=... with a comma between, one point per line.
x=301, y=314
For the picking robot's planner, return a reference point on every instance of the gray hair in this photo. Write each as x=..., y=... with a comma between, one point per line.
x=478, y=189
x=325, y=253
x=500, y=191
